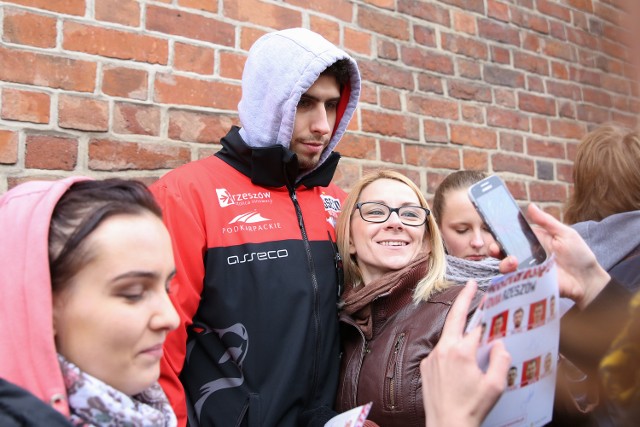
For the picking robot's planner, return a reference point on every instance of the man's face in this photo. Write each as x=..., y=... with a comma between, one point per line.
x=531, y=370
x=497, y=326
x=511, y=376
x=315, y=119
x=517, y=318
x=547, y=363
x=537, y=313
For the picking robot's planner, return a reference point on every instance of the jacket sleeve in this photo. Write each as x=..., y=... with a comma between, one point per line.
x=182, y=216
x=586, y=335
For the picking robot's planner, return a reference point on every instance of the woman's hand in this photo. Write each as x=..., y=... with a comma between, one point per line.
x=580, y=277
x=454, y=389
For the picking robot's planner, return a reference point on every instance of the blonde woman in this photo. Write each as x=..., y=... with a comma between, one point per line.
x=396, y=298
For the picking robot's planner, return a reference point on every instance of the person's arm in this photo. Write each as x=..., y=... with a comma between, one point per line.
x=455, y=391
x=189, y=242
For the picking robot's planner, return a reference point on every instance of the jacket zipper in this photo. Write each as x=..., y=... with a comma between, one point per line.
x=392, y=371
x=314, y=281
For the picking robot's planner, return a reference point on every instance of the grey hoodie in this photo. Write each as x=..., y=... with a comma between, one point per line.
x=613, y=238
x=268, y=105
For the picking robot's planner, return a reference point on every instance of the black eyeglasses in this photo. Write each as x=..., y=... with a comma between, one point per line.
x=413, y=216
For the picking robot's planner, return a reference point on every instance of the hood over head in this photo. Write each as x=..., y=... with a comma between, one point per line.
x=28, y=357
x=613, y=238
x=280, y=68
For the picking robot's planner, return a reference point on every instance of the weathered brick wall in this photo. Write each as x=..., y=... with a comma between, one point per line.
x=136, y=87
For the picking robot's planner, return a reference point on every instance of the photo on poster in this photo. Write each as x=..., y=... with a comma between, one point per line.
x=537, y=314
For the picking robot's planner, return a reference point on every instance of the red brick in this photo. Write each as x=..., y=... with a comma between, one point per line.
x=47, y=70
x=500, y=55
x=207, y=151
x=390, y=151
x=383, y=23
x=469, y=69
x=593, y=114
x=504, y=97
x=259, y=13
x=434, y=179
x=390, y=99
x=249, y=35
x=125, y=82
x=51, y=152
x=69, y=7
x=190, y=25
x=428, y=11
x=385, y=4
x=433, y=107
x=388, y=75
x=231, y=64
x=564, y=90
x=559, y=49
x=432, y=157
x=497, y=10
x=474, y=5
x=532, y=42
x=14, y=181
x=464, y=22
x=358, y=147
x=368, y=93
x=565, y=172
x=112, y=155
x=429, y=83
x=537, y=104
x=567, y=129
x=531, y=63
x=8, y=147
x=357, y=41
x=114, y=44
x=628, y=120
x=137, y=119
x=29, y=28
x=585, y=5
x=503, y=76
x=25, y=106
x=511, y=163
x=435, y=131
x=387, y=50
x=509, y=119
x=197, y=59
x=341, y=9
x=567, y=109
x=399, y=125
x=535, y=84
x=427, y=60
x=464, y=46
x=472, y=114
x=522, y=18
x=582, y=38
x=545, y=148
x=498, y=32
x=125, y=12
x=82, y=113
x=347, y=173
x=170, y=89
x=201, y=127
x=587, y=77
x=559, y=70
x=475, y=160
x=517, y=188
x=206, y=5
x=552, y=8
x=547, y=192
x=469, y=91
x=474, y=136
x=540, y=125
x=511, y=142
x=557, y=30
x=425, y=36
x=327, y=28
x=615, y=84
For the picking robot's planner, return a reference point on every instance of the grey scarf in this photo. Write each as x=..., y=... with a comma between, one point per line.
x=460, y=270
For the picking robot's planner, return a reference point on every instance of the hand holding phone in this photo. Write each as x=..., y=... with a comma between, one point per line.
x=505, y=220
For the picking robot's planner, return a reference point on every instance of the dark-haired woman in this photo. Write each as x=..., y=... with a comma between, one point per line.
x=85, y=268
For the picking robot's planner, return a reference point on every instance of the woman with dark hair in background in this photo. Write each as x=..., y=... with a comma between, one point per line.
x=466, y=237
x=85, y=269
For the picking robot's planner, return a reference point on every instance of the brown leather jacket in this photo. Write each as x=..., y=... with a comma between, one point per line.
x=386, y=369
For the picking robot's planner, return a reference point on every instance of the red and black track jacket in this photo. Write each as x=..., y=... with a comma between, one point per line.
x=256, y=288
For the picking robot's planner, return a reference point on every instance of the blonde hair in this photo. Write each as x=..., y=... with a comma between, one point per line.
x=606, y=175
x=434, y=279
x=454, y=181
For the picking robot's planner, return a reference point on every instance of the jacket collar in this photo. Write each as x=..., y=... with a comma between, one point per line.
x=274, y=166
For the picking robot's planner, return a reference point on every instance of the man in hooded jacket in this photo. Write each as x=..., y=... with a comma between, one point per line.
x=253, y=232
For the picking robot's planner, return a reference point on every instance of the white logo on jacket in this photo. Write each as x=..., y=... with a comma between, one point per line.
x=225, y=198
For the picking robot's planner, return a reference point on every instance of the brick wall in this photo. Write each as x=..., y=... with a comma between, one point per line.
x=136, y=87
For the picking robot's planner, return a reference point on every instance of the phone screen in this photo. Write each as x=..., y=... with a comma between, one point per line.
x=507, y=223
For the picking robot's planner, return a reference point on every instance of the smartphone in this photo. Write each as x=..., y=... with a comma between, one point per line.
x=505, y=220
